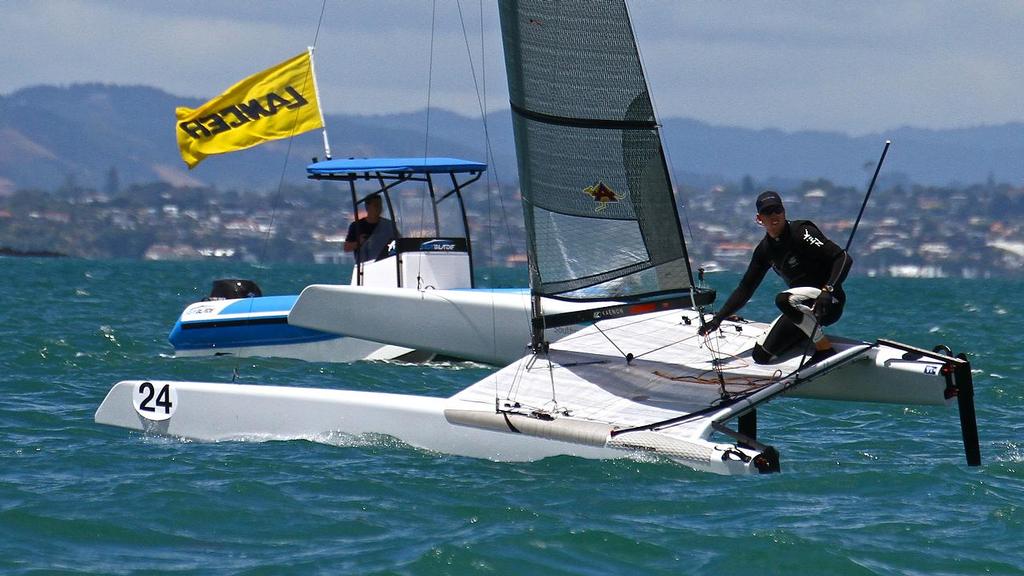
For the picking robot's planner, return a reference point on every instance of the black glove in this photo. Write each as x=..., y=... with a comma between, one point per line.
x=821, y=304
x=709, y=326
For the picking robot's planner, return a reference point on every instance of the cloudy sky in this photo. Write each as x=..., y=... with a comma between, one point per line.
x=854, y=67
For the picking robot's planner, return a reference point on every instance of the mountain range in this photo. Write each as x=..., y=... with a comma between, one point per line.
x=96, y=135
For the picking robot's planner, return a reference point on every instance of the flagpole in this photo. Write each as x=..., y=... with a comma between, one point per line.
x=316, y=90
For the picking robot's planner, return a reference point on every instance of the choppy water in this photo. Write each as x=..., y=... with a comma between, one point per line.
x=865, y=489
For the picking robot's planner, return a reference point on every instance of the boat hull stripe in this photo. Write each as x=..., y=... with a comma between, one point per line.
x=234, y=323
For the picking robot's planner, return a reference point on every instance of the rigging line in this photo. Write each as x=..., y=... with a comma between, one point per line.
x=716, y=360
x=483, y=66
x=751, y=382
x=871, y=187
x=742, y=396
x=669, y=345
x=686, y=216
x=493, y=168
x=531, y=360
x=610, y=341
x=622, y=326
x=846, y=250
x=657, y=118
x=523, y=365
x=551, y=375
x=278, y=195
x=798, y=380
x=481, y=92
x=316, y=35
x=426, y=129
x=430, y=75
x=849, y=240
x=481, y=87
x=517, y=378
x=715, y=406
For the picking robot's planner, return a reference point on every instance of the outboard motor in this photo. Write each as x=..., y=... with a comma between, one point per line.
x=232, y=288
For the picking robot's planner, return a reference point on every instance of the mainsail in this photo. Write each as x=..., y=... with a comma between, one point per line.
x=600, y=215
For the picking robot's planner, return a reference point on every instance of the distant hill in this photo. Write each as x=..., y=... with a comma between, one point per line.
x=51, y=136
x=84, y=134
x=936, y=157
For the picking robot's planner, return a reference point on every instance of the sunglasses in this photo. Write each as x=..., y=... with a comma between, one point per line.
x=772, y=210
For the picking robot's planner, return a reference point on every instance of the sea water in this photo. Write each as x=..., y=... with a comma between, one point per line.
x=865, y=488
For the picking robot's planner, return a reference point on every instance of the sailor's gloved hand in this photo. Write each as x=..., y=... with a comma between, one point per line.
x=822, y=304
x=709, y=326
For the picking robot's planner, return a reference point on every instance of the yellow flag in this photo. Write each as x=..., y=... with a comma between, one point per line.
x=276, y=103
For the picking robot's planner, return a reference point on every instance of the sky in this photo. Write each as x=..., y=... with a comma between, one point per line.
x=852, y=67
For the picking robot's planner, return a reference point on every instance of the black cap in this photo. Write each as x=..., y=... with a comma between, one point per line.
x=768, y=198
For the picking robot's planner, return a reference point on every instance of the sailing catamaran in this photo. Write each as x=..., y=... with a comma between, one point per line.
x=602, y=226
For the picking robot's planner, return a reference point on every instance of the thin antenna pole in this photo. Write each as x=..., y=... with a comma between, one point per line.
x=868, y=195
x=846, y=251
x=316, y=90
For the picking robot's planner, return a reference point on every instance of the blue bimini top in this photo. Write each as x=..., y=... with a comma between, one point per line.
x=357, y=166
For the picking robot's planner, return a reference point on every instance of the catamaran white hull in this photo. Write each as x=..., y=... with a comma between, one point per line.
x=491, y=326
x=339, y=349
x=607, y=400
x=218, y=412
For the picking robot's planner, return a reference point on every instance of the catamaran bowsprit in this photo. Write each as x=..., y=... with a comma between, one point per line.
x=236, y=319
x=604, y=236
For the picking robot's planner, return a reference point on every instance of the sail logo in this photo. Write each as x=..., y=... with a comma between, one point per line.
x=609, y=313
x=601, y=194
x=812, y=240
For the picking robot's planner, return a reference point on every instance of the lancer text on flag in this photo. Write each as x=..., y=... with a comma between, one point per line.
x=276, y=103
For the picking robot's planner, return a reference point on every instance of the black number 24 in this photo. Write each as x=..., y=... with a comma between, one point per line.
x=163, y=398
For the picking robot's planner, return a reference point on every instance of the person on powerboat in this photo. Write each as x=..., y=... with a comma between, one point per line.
x=369, y=236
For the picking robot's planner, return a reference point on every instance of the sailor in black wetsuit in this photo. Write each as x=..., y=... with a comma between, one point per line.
x=811, y=265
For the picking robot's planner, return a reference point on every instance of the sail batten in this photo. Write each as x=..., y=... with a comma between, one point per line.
x=585, y=122
x=600, y=214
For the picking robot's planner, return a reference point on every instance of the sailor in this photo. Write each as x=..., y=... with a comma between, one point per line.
x=368, y=236
x=811, y=265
